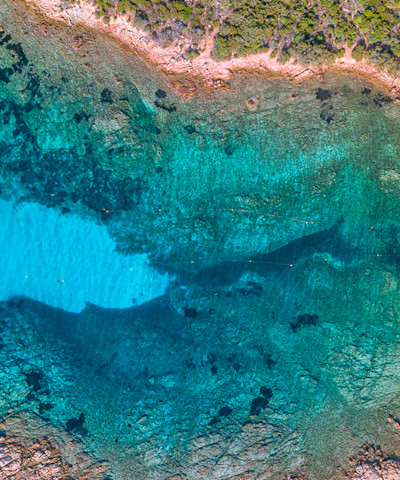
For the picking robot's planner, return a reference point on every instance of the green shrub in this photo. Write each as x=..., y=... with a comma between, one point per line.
x=312, y=31
x=187, y=13
x=358, y=53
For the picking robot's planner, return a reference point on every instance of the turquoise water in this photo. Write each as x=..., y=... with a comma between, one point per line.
x=67, y=262
x=190, y=289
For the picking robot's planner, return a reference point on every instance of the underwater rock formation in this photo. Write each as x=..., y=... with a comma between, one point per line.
x=40, y=455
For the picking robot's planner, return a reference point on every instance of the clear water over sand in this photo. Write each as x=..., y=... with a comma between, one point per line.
x=66, y=262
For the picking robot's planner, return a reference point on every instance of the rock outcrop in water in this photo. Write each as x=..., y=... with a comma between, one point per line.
x=385, y=470
x=40, y=455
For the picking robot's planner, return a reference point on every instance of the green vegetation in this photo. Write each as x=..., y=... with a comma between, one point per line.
x=309, y=30
x=358, y=53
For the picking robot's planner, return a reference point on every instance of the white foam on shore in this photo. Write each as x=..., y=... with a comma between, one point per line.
x=66, y=261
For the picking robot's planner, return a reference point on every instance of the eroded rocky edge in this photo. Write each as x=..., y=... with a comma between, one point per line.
x=31, y=449
x=204, y=71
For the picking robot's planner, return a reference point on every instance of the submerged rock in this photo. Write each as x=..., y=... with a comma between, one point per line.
x=44, y=457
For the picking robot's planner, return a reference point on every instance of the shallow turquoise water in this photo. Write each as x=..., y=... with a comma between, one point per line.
x=67, y=262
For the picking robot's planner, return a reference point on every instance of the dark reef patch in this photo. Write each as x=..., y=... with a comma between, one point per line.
x=190, y=129
x=18, y=57
x=258, y=405
x=35, y=379
x=106, y=96
x=81, y=116
x=76, y=425
x=5, y=74
x=327, y=114
x=161, y=94
x=152, y=129
x=380, y=99
x=17, y=50
x=266, y=392
x=45, y=407
x=323, y=95
x=229, y=150
x=190, y=312
x=163, y=106
x=54, y=177
x=224, y=411
x=213, y=421
x=304, y=320
x=269, y=360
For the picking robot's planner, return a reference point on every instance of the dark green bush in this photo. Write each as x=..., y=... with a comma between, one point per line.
x=310, y=30
x=358, y=53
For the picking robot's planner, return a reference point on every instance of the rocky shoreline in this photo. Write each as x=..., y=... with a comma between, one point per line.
x=30, y=448
x=204, y=71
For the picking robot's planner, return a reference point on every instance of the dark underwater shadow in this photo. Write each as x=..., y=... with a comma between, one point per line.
x=330, y=241
x=157, y=315
x=113, y=348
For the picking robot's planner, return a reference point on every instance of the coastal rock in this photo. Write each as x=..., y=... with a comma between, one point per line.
x=384, y=470
x=252, y=103
x=42, y=459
